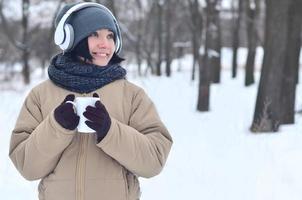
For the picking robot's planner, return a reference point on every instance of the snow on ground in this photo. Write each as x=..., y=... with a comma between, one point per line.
x=214, y=155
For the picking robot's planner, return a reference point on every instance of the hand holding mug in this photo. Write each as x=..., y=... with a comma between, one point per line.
x=80, y=104
x=64, y=114
x=98, y=118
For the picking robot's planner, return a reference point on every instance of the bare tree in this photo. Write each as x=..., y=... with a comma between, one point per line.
x=291, y=68
x=168, y=46
x=269, y=92
x=159, y=30
x=196, y=32
x=237, y=16
x=23, y=44
x=25, y=49
x=214, y=40
x=205, y=63
x=139, y=34
x=48, y=45
x=148, y=42
x=252, y=10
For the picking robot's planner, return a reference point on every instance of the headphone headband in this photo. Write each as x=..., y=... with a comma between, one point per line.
x=63, y=36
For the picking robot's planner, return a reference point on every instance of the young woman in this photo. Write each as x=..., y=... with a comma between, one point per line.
x=130, y=140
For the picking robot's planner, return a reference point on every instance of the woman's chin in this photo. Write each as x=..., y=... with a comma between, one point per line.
x=100, y=63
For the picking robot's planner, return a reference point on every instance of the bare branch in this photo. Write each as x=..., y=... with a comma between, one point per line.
x=6, y=30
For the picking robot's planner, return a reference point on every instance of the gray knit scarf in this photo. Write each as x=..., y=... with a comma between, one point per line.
x=82, y=77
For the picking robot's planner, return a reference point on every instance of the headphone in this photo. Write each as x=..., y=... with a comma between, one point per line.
x=64, y=33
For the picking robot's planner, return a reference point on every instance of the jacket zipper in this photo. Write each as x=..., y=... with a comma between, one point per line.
x=80, y=175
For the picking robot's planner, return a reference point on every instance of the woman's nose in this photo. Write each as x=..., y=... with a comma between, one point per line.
x=102, y=42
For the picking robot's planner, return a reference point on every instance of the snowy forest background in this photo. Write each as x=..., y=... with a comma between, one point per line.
x=220, y=72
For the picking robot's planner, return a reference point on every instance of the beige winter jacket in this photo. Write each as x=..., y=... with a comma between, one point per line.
x=72, y=165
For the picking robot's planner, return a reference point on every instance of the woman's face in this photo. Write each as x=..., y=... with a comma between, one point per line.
x=101, y=46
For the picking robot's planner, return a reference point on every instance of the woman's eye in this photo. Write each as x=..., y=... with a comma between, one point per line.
x=94, y=34
x=111, y=36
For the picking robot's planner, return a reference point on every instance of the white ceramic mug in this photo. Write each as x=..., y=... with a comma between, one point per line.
x=80, y=104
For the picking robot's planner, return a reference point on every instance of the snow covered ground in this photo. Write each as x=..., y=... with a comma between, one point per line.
x=214, y=156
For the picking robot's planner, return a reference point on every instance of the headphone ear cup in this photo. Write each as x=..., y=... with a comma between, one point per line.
x=118, y=38
x=59, y=35
x=69, y=38
x=118, y=45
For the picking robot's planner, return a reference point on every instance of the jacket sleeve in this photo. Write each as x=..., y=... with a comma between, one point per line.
x=36, y=143
x=142, y=146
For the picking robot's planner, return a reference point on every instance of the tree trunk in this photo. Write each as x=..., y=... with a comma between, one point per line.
x=214, y=45
x=138, y=48
x=267, y=114
x=236, y=28
x=49, y=50
x=23, y=44
x=196, y=30
x=252, y=16
x=204, y=70
x=203, y=102
x=168, y=38
x=139, y=39
x=288, y=94
x=25, y=52
x=148, y=42
x=195, y=48
x=159, y=37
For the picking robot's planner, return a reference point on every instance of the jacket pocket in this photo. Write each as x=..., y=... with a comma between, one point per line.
x=59, y=189
x=101, y=189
